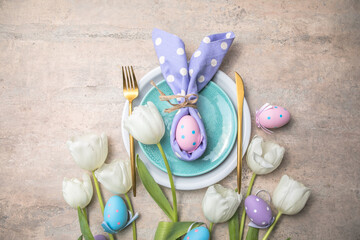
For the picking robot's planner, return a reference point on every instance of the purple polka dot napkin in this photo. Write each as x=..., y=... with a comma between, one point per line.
x=185, y=77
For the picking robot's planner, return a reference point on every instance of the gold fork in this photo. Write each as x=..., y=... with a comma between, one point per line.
x=131, y=91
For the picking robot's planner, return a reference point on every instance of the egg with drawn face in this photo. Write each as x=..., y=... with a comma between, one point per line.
x=188, y=134
x=199, y=233
x=115, y=213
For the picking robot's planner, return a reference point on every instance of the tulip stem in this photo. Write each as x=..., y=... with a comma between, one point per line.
x=132, y=212
x=173, y=190
x=242, y=223
x=85, y=214
x=100, y=198
x=211, y=226
x=272, y=226
x=98, y=192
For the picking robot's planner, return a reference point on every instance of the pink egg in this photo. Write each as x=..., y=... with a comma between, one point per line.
x=274, y=117
x=188, y=134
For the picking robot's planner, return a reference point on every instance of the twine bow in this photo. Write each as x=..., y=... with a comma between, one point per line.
x=186, y=103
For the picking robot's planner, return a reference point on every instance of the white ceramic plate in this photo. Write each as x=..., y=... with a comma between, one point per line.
x=207, y=179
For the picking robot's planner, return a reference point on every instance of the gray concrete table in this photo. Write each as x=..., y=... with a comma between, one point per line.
x=59, y=77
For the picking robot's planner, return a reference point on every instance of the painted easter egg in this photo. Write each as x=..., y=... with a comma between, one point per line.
x=258, y=210
x=199, y=233
x=99, y=237
x=115, y=213
x=188, y=134
x=273, y=117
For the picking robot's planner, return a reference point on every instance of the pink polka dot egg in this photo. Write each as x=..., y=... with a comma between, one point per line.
x=188, y=134
x=272, y=116
x=115, y=213
x=199, y=233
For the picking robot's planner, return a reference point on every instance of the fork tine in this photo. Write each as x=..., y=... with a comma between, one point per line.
x=134, y=78
x=128, y=77
x=124, y=78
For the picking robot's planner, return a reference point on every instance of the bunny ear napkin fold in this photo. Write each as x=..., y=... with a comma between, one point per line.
x=186, y=79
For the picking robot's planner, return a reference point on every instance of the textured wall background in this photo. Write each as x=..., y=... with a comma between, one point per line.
x=59, y=77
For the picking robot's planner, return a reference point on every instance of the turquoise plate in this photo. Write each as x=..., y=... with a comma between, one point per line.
x=219, y=117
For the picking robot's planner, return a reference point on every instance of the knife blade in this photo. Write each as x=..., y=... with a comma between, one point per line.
x=240, y=101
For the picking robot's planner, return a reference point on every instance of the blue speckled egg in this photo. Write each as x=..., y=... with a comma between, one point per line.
x=115, y=213
x=258, y=210
x=199, y=233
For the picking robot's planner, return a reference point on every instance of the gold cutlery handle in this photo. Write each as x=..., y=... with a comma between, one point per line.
x=132, y=157
x=240, y=101
x=239, y=146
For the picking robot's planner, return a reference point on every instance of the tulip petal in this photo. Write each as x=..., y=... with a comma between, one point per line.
x=261, y=161
x=290, y=196
x=89, y=151
x=116, y=176
x=263, y=157
x=219, y=203
x=77, y=193
x=145, y=124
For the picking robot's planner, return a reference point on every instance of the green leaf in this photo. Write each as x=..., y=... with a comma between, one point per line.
x=288, y=239
x=233, y=225
x=252, y=234
x=84, y=226
x=153, y=189
x=80, y=238
x=172, y=230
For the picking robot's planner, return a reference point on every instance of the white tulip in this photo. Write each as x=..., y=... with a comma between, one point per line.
x=219, y=203
x=116, y=176
x=89, y=151
x=145, y=124
x=264, y=157
x=77, y=193
x=290, y=196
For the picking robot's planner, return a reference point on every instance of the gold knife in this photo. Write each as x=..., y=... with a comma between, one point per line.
x=240, y=101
